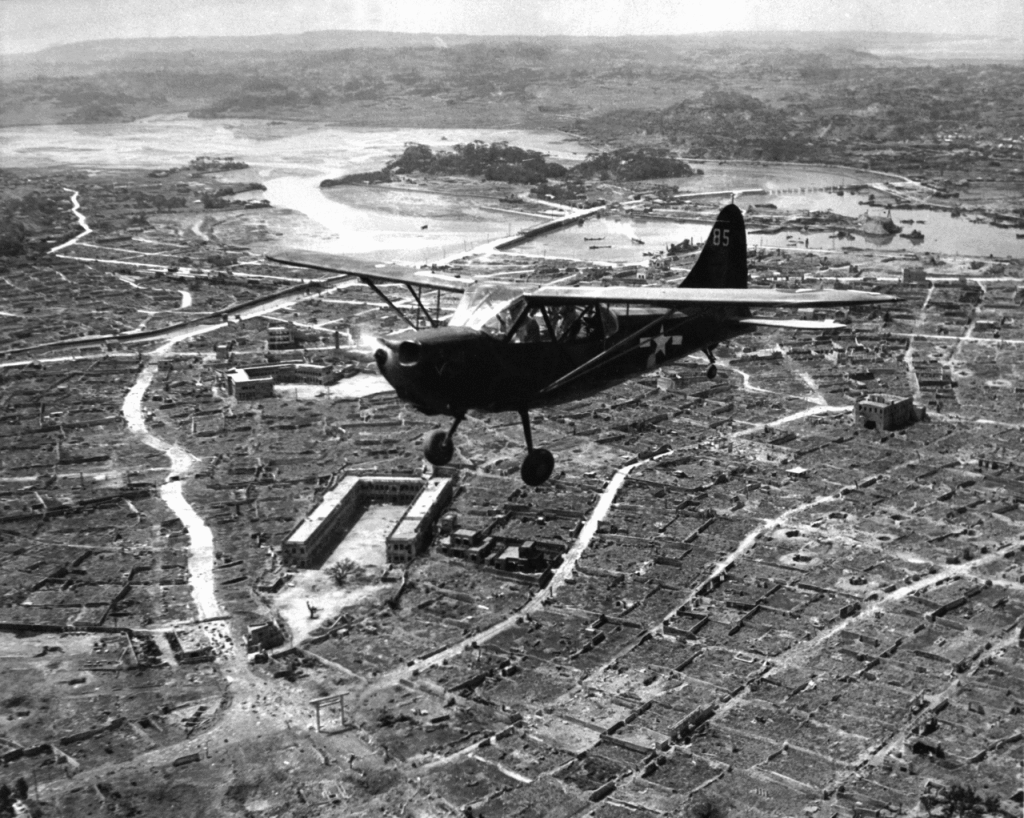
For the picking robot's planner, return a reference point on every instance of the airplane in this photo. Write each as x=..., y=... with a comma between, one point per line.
x=517, y=347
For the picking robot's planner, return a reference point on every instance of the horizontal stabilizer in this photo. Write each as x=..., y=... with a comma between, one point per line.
x=790, y=323
x=367, y=270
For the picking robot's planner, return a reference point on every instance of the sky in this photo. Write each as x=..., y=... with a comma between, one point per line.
x=30, y=25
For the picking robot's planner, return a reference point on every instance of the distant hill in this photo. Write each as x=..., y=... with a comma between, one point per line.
x=114, y=49
x=779, y=96
x=931, y=46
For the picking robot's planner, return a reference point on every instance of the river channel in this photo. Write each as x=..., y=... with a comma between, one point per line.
x=407, y=225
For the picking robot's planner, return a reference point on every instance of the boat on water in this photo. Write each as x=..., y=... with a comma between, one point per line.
x=875, y=226
x=593, y=238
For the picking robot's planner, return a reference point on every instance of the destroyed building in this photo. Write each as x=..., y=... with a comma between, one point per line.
x=885, y=412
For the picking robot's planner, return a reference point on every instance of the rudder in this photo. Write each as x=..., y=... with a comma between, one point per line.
x=723, y=261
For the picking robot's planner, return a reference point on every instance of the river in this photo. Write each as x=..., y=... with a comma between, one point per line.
x=390, y=224
x=943, y=233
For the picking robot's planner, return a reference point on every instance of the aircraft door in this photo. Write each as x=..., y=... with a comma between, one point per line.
x=609, y=321
x=592, y=322
x=531, y=328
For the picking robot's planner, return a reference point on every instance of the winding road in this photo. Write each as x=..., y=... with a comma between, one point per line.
x=77, y=210
x=200, y=552
x=908, y=356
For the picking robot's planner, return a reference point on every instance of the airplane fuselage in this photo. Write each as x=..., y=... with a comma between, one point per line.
x=450, y=370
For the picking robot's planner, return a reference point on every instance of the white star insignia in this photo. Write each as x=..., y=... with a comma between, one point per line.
x=661, y=342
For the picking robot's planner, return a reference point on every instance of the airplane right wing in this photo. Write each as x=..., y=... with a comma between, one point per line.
x=680, y=297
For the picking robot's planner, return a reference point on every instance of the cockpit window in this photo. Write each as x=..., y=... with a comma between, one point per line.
x=496, y=309
x=490, y=308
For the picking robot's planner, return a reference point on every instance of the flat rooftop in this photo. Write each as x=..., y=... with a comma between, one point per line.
x=331, y=500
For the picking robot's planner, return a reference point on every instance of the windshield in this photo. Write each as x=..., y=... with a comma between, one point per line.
x=501, y=311
x=488, y=307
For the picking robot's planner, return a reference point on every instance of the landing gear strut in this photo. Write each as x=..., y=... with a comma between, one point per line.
x=539, y=463
x=712, y=369
x=439, y=445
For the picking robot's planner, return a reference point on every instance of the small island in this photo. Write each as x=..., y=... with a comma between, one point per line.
x=501, y=162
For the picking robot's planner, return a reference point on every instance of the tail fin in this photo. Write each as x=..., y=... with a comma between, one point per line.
x=723, y=261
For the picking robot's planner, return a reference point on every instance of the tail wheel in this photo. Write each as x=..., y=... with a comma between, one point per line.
x=712, y=372
x=438, y=447
x=537, y=467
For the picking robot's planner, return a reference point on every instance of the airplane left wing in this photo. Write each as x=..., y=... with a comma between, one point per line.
x=368, y=271
x=680, y=297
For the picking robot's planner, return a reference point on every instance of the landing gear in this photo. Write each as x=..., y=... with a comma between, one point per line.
x=438, y=448
x=439, y=445
x=537, y=466
x=712, y=370
x=539, y=463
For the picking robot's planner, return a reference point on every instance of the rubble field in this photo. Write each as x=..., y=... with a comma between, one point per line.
x=729, y=586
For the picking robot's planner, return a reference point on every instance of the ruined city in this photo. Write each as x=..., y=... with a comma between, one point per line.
x=237, y=588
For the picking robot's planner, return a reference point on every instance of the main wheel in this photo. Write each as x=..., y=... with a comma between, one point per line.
x=438, y=447
x=537, y=467
x=712, y=372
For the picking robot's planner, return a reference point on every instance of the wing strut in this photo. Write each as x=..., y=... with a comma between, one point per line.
x=426, y=313
x=610, y=354
x=398, y=310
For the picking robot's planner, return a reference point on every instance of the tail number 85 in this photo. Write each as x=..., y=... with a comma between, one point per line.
x=720, y=237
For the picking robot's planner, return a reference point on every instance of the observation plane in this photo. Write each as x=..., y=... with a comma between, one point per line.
x=516, y=347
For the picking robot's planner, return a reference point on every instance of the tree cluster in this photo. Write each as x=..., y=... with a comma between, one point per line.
x=498, y=162
x=373, y=177
x=215, y=164
x=345, y=572
x=633, y=164
x=960, y=801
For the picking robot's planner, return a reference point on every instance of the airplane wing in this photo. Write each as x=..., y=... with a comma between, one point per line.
x=789, y=323
x=680, y=297
x=368, y=271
